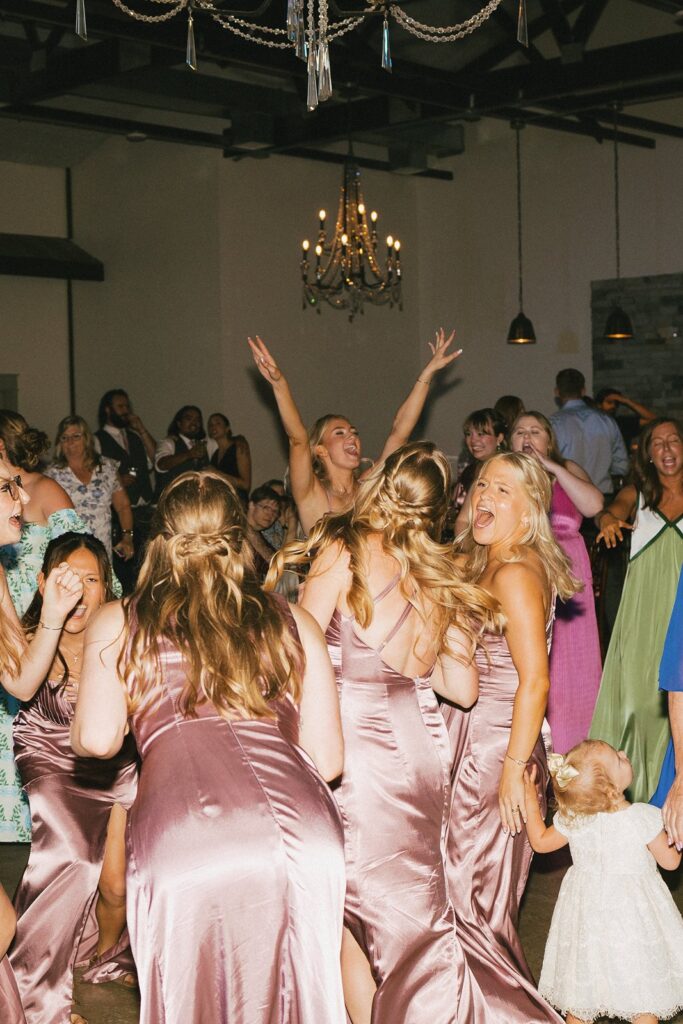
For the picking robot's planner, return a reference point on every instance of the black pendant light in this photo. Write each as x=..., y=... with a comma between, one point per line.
x=618, y=326
x=521, y=330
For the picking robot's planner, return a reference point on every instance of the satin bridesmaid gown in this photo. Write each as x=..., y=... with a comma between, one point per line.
x=11, y=1011
x=71, y=799
x=487, y=869
x=575, y=660
x=395, y=797
x=235, y=867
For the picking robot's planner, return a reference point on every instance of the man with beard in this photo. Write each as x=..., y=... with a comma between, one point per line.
x=184, y=448
x=123, y=437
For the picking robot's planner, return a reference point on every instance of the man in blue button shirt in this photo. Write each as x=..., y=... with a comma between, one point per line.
x=586, y=435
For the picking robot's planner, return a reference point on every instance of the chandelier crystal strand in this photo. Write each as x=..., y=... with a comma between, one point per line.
x=522, y=33
x=312, y=91
x=190, y=48
x=445, y=33
x=81, y=26
x=152, y=19
x=386, y=49
x=324, y=68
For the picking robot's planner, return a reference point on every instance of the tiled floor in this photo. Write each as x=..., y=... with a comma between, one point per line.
x=113, y=1004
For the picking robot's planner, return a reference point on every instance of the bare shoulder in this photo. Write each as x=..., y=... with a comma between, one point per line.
x=514, y=580
x=334, y=558
x=50, y=495
x=106, y=624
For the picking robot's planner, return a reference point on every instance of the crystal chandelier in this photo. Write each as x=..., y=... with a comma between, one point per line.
x=308, y=30
x=347, y=269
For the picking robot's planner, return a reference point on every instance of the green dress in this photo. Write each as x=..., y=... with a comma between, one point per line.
x=22, y=563
x=631, y=713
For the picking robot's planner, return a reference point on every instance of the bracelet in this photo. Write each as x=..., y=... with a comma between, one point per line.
x=45, y=626
x=127, y=533
x=420, y=380
x=522, y=764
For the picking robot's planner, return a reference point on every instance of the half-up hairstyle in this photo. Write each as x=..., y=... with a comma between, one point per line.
x=58, y=551
x=538, y=535
x=591, y=791
x=404, y=499
x=646, y=476
x=196, y=589
x=24, y=445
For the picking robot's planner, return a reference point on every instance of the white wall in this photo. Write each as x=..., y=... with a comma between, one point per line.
x=200, y=251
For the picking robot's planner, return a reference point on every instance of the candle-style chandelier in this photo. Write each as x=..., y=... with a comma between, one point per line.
x=308, y=30
x=347, y=270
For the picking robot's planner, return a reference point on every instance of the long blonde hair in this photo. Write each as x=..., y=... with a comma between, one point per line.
x=403, y=499
x=196, y=589
x=538, y=535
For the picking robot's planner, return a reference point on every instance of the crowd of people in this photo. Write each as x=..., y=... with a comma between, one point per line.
x=283, y=753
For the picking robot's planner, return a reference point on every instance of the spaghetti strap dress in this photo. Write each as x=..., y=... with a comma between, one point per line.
x=394, y=798
x=631, y=712
x=488, y=869
x=575, y=661
x=71, y=799
x=235, y=866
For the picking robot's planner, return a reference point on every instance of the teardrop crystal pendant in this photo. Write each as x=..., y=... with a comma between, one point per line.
x=301, y=44
x=312, y=93
x=324, y=72
x=386, y=49
x=190, y=49
x=292, y=6
x=522, y=34
x=81, y=27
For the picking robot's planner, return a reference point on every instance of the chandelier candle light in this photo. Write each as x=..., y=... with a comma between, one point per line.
x=347, y=270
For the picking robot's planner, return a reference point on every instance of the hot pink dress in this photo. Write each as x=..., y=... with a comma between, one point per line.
x=395, y=798
x=235, y=867
x=487, y=869
x=71, y=799
x=575, y=661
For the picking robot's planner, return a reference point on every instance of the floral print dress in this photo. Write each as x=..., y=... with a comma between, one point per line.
x=22, y=563
x=92, y=501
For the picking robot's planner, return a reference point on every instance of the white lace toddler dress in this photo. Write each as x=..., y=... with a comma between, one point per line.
x=615, y=947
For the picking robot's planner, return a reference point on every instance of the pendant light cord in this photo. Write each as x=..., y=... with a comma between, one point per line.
x=519, y=216
x=617, y=236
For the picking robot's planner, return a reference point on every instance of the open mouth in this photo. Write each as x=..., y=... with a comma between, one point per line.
x=483, y=518
x=527, y=448
x=15, y=521
x=79, y=611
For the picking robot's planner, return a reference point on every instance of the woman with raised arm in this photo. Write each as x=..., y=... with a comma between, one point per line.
x=235, y=856
x=631, y=713
x=400, y=624
x=71, y=899
x=324, y=461
x=575, y=660
x=512, y=554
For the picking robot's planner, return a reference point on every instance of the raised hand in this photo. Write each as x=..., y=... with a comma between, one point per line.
x=441, y=357
x=63, y=590
x=265, y=363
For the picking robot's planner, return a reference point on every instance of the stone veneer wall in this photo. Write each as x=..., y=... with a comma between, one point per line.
x=649, y=368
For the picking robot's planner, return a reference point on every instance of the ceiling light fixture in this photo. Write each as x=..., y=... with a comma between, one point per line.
x=618, y=326
x=521, y=330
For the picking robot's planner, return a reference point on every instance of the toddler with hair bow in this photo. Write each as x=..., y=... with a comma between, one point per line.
x=615, y=947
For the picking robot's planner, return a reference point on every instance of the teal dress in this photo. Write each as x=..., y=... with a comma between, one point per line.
x=22, y=563
x=631, y=713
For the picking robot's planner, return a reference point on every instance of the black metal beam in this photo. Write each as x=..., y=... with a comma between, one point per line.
x=65, y=71
x=587, y=20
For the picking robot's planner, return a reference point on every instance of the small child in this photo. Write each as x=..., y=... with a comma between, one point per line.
x=615, y=947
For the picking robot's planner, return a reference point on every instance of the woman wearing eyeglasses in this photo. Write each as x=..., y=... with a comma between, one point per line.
x=48, y=513
x=93, y=483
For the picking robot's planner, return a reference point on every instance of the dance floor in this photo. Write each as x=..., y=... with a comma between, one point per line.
x=113, y=1004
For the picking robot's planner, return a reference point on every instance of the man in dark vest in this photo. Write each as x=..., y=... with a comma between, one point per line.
x=123, y=437
x=184, y=447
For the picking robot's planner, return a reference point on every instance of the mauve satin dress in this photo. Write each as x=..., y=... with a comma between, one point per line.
x=575, y=660
x=11, y=1011
x=70, y=799
x=235, y=867
x=487, y=870
x=395, y=797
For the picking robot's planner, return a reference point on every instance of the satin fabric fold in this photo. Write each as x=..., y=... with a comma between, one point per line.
x=395, y=797
x=487, y=869
x=235, y=868
x=71, y=799
x=11, y=1011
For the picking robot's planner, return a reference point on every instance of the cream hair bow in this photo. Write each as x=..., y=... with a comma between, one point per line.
x=561, y=772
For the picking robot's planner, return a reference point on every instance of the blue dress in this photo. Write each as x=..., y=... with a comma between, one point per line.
x=22, y=563
x=671, y=680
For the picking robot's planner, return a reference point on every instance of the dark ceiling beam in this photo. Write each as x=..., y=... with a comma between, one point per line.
x=587, y=19
x=374, y=165
x=540, y=119
x=66, y=71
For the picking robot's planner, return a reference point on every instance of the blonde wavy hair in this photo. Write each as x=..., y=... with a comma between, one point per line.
x=592, y=791
x=403, y=499
x=538, y=535
x=197, y=590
